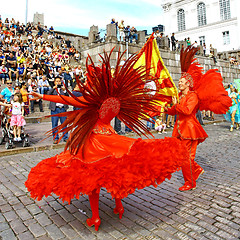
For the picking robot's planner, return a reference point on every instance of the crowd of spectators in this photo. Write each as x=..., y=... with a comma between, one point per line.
x=125, y=33
x=30, y=57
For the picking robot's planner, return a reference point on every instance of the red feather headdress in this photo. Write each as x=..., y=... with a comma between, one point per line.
x=125, y=86
x=191, y=69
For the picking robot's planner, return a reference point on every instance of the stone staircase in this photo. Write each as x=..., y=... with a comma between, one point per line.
x=38, y=116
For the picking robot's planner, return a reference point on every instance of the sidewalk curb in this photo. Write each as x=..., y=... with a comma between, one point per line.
x=61, y=145
x=30, y=149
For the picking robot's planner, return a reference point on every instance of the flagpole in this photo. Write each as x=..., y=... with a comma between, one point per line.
x=26, y=17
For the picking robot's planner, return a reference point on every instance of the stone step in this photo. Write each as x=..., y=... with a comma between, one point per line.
x=36, y=119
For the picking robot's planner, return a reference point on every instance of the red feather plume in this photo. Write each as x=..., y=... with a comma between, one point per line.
x=126, y=84
x=209, y=87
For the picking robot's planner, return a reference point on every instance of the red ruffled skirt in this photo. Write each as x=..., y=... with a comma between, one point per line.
x=117, y=163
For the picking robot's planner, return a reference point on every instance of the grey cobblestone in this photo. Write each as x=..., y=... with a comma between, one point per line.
x=36, y=230
x=54, y=232
x=211, y=211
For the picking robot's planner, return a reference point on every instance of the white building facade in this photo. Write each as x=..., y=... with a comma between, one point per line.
x=215, y=22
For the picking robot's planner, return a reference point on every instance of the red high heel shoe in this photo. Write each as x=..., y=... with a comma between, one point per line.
x=119, y=211
x=96, y=222
x=198, y=173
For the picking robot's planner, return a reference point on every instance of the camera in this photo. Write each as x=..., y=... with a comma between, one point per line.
x=59, y=85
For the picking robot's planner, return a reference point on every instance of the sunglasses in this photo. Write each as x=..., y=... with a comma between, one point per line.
x=9, y=83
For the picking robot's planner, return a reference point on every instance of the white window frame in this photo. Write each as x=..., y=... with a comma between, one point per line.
x=181, y=20
x=201, y=10
x=225, y=11
x=226, y=38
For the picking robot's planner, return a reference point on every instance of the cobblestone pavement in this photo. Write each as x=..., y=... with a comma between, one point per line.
x=211, y=211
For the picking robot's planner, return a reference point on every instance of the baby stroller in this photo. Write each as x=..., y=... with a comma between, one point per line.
x=7, y=131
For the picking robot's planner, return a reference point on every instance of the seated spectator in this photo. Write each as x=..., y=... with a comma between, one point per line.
x=2, y=58
x=78, y=72
x=43, y=85
x=51, y=29
x=32, y=81
x=21, y=71
x=3, y=73
x=12, y=65
x=77, y=56
x=133, y=34
x=67, y=79
x=7, y=92
x=35, y=101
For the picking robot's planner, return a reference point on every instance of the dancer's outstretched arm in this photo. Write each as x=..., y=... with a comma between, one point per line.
x=63, y=99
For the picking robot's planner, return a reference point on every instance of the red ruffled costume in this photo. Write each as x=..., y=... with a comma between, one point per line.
x=98, y=157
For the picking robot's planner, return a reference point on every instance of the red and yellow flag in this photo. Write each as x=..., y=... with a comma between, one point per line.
x=151, y=59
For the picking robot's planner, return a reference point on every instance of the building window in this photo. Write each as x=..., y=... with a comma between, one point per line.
x=201, y=8
x=181, y=20
x=225, y=9
x=202, y=40
x=226, y=38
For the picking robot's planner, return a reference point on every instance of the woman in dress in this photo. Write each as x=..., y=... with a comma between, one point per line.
x=233, y=114
x=95, y=155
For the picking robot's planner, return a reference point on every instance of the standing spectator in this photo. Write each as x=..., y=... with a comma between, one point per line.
x=121, y=30
x=204, y=49
x=133, y=34
x=169, y=41
x=211, y=55
x=115, y=23
x=57, y=108
x=67, y=79
x=157, y=36
x=173, y=41
x=188, y=41
x=77, y=93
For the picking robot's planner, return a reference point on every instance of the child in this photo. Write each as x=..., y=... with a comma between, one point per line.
x=159, y=125
x=17, y=120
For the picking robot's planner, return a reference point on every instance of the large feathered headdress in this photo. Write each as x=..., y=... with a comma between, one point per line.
x=190, y=68
x=124, y=88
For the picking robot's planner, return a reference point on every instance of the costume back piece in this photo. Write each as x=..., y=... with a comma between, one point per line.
x=95, y=156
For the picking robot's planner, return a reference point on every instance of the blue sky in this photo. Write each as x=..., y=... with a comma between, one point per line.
x=76, y=16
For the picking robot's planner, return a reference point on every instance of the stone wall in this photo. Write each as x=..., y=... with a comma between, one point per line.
x=171, y=60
